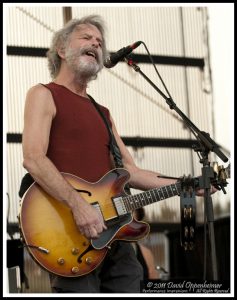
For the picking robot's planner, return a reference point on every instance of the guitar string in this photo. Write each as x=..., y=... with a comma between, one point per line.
x=141, y=197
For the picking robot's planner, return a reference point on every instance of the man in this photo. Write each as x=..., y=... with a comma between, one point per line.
x=63, y=132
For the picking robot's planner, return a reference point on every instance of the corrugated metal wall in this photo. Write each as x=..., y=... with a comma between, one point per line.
x=136, y=107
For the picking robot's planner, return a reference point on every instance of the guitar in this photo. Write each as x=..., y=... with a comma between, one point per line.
x=52, y=238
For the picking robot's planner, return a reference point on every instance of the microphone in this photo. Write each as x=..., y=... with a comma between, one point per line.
x=114, y=58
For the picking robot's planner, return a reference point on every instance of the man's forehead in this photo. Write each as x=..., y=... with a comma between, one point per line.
x=83, y=28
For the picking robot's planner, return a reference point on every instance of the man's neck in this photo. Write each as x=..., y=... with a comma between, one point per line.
x=73, y=85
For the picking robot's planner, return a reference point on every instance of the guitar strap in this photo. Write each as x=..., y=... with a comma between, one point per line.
x=114, y=148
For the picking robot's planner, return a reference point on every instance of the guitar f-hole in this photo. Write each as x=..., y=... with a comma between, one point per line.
x=84, y=191
x=89, y=248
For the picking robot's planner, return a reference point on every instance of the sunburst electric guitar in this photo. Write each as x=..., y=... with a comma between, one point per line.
x=50, y=233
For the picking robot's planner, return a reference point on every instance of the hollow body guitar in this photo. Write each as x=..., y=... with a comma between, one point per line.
x=50, y=233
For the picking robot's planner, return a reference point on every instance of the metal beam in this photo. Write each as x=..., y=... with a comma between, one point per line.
x=138, y=58
x=137, y=142
x=67, y=14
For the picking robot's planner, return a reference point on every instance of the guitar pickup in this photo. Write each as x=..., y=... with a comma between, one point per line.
x=120, y=206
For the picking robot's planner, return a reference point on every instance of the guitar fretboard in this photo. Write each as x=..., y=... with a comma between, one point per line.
x=148, y=197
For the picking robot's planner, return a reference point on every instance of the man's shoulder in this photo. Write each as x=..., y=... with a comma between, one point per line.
x=39, y=89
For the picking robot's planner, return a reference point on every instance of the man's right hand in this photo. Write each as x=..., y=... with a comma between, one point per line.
x=88, y=220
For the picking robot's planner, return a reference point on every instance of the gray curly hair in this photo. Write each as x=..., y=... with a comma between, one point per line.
x=61, y=37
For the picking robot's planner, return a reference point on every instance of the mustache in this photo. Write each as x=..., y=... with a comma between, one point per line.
x=85, y=50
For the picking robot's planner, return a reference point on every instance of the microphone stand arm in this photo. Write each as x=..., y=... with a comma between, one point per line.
x=206, y=145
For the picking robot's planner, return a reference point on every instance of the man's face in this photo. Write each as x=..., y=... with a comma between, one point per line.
x=83, y=53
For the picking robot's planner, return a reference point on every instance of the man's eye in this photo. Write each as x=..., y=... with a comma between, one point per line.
x=84, y=37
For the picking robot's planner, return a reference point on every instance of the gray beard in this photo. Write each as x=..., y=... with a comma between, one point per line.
x=84, y=71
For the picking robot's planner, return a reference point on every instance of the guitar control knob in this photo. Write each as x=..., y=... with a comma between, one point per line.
x=75, y=270
x=75, y=251
x=61, y=261
x=88, y=260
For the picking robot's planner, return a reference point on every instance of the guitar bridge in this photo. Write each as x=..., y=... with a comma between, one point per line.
x=97, y=206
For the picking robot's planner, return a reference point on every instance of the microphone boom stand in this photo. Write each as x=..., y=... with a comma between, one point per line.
x=206, y=145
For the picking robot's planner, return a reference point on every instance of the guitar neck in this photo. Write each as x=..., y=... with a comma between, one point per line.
x=133, y=202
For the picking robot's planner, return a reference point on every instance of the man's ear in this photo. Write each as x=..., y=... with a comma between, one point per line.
x=61, y=52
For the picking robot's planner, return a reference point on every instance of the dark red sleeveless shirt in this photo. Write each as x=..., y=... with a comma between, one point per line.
x=79, y=139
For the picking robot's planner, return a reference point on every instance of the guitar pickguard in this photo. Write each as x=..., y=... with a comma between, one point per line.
x=107, y=235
